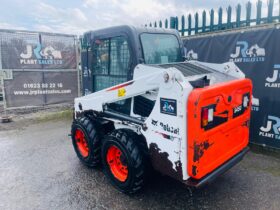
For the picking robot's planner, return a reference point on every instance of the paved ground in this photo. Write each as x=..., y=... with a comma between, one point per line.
x=39, y=170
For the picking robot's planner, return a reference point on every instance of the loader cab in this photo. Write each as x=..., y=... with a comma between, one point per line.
x=110, y=55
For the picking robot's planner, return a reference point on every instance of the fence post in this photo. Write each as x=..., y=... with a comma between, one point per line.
x=79, y=70
x=172, y=22
x=1, y=74
x=166, y=23
x=4, y=96
x=220, y=18
x=238, y=15
x=196, y=23
x=203, y=20
x=183, y=25
x=259, y=12
x=211, y=20
x=160, y=24
x=176, y=23
x=189, y=24
x=229, y=10
x=248, y=13
x=1, y=54
x=270, y=11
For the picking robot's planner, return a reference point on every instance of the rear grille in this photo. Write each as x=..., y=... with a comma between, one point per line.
x=187, y=69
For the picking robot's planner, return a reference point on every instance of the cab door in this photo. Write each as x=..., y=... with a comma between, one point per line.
x=112, y=64
x=111, y=61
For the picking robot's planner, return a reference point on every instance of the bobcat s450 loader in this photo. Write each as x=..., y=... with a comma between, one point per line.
x=187, y=120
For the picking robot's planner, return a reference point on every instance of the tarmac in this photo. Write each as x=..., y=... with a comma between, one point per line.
x=40, y=170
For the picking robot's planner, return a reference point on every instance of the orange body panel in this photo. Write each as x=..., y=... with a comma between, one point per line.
x=210, y=148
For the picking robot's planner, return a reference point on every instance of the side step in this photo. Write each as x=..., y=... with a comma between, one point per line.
x=198, y=183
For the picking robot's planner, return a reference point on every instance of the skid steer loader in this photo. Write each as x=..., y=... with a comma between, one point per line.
x=188, y=120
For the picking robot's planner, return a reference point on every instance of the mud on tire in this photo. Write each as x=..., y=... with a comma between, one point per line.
x=86, y=141
x=122, y=142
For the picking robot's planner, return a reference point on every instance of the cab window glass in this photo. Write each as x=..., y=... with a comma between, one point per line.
x=160, y=48
x=119, y=56
x=111, y=61
x=101, y=54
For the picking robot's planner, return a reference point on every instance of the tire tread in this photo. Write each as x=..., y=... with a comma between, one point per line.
x=128, y=139
x=93, y=138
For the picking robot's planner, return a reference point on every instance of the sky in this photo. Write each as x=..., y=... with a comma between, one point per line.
x=78, y=16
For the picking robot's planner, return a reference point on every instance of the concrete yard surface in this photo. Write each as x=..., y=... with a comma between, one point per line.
x=39, y=170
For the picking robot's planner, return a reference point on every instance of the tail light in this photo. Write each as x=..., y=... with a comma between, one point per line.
x=209, y=121
x=204, y=118
x=207, y=115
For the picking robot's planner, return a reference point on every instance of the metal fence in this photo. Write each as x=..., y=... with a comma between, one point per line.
x=195, y=23
x=38, y=68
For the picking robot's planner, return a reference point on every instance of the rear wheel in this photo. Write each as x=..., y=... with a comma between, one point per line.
x=123, y=160
x=86, y=141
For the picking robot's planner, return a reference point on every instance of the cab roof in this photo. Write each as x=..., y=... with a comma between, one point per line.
x=132, y=30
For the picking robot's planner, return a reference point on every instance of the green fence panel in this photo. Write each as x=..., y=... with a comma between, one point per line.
x=182, y=27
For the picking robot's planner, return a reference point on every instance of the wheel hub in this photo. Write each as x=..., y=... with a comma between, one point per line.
x=117, y=163
x=81, y=143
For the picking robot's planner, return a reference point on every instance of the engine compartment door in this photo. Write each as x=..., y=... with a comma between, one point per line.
x=218, y=124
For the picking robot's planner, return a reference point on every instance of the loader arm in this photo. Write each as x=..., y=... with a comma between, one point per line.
x=146, y=78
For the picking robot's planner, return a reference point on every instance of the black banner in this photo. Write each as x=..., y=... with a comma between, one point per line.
x=29, y=88
x=22, y=50
x=256, y=53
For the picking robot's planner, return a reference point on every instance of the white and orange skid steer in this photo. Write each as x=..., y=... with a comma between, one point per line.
x=188, y=120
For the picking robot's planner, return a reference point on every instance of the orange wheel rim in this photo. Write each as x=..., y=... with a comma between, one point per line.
x=81, y=142
x=117, y=163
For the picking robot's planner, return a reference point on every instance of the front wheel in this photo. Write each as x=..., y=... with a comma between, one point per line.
x=123, y=161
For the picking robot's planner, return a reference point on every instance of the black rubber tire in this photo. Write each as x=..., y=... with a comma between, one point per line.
x=92, y=137
x=125, y=140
